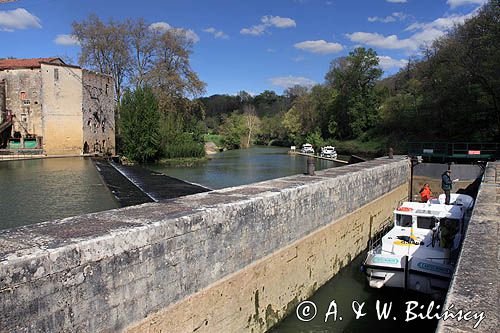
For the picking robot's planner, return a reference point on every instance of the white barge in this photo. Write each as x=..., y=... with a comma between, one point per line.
x=416, y=253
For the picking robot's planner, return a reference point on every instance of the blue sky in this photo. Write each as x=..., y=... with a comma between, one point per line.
x=247, y=45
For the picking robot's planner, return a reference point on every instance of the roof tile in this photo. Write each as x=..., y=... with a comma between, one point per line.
x=26, y=63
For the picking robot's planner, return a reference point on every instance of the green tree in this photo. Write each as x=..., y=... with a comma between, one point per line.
x=139, y=123
x=354, y=77
x=233, y=130
x=315, y=139
x=292, y=123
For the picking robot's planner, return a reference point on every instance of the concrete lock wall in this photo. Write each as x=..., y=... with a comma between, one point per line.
x=237, y=259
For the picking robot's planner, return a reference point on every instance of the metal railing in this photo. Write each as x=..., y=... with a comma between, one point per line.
x=462, y=150
x=376, y=239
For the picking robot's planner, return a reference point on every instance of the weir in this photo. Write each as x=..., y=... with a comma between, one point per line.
x=237, y=259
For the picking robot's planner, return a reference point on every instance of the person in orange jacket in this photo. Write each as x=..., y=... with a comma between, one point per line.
x=425, y=193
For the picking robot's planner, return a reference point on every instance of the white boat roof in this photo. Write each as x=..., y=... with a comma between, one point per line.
x=431, y=209
x=329, y=147
x=307, y=145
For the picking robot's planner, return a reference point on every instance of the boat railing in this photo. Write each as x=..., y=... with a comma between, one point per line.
x=376, y=239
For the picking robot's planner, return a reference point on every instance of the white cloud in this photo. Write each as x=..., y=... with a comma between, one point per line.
x=19, y=18
x=68, y=40
x=255, y=30
x=397, y=1
x=384, y=42
x=291, y=81
x=278, y=22
x=217, y=33
x=386, y=62
x=164, y=27
x=398, y=16
x=319, y=46
x=457, y=3
x=267, y=22
x=160, y=26
x=423, y=33
x=386, y=19
x=190, y=34
x=442, y=23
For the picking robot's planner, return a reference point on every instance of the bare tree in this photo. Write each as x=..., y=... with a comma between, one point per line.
x=252, y=123
x=142, y=47
x=104, y=48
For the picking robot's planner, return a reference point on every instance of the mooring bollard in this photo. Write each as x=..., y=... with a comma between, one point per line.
x=311, y=165
x=391, y=153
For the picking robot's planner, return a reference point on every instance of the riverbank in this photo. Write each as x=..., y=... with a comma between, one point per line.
x=370, y=149
x=182, y=161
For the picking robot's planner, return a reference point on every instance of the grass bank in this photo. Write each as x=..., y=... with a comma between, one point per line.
x=182, y=161
x=215, y=138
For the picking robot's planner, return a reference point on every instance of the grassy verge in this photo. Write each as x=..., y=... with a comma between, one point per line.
x=215, y=138
x=182, y=161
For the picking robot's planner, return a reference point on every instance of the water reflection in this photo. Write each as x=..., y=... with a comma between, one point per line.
x=350, y=285
x=34, y=191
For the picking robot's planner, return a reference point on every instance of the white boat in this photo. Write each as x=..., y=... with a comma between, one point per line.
x=307, y=148
x=329, y=152
x=420, y=250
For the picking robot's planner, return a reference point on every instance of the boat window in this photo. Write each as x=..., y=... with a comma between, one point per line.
x=425, y=222
x=403, y=220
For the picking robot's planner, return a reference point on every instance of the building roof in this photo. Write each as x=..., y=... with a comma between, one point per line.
x=28, y=63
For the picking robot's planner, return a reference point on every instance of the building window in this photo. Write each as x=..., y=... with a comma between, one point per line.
x=56, y=74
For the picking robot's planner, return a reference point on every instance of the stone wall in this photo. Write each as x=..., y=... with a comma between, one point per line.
x=98, y=113
x=23, y=98
x=237, y=259
x=475, y=286
x=62, y=109
x=65, y=105
x=2, y=100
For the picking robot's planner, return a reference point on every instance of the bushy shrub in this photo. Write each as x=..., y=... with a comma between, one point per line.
x=139, y=125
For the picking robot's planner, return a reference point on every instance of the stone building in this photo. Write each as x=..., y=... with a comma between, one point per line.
x=60, y=108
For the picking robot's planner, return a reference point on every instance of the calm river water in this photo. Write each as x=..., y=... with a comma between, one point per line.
x=243, y=166
x=34, y=191
x=350, y=285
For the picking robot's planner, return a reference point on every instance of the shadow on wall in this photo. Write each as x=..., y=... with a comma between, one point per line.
x=469, y=178
x=472, y=189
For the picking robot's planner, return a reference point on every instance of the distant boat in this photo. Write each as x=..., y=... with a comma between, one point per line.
x=307, y=148
x=418, y=252
x=329, y=152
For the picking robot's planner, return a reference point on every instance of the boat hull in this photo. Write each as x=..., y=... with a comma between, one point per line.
x=409, y=273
